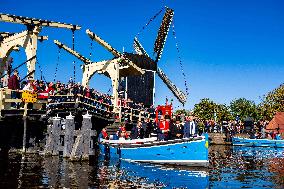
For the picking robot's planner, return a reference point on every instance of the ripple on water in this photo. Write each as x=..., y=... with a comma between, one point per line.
x=230, y=167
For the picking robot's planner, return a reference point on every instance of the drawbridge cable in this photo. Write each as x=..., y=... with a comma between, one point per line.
x=91, y=49
x=40, y=68
x=73, y=48
x=57, y=63
x=179, y=57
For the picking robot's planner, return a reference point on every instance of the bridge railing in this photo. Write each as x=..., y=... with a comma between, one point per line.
x=134, y=115
x=6, y=100
x=67, y=102
x=79, y=101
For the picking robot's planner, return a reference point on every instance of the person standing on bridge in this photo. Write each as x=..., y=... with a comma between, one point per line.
x=104, y=134
x=14, y=85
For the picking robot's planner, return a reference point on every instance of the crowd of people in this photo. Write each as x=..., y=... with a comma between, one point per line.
x=51, y=88
x=59, y=88
x=165, y=129
x=178, y=126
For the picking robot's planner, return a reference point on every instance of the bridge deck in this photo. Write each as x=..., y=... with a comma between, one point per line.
x=64, y=104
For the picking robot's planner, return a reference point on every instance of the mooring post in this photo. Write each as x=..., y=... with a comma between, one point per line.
x=81, y=147
x=69, y=135
x=52, y=141
x=56, y=128
x=25, y=127
x=86, y=133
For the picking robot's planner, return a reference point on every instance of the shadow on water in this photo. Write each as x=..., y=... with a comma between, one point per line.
x=35, y=171
x=230, y=167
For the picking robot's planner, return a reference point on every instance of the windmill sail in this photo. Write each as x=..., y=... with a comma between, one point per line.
x=139, y=48
x=163, y=33
x=176, y=91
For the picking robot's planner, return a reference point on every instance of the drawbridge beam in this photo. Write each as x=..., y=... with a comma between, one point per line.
x=127, y=62
x=26, y=39
x=73, y=52
x=34, y=21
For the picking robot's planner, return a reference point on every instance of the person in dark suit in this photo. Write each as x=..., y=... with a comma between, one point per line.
x=176, y=130
x=137, y=131
x=189, y=127
x=149, y=128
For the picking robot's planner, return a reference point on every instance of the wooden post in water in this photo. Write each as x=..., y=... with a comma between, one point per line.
x=25, y=127
x=69, y=136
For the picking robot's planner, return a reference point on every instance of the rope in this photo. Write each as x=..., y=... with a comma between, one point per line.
x=179, y=58
x=151, y=19
x=57, y=63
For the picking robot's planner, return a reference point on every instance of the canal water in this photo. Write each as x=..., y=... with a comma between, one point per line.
x=230, y=167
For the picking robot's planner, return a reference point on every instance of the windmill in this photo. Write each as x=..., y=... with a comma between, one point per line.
x=141, y=88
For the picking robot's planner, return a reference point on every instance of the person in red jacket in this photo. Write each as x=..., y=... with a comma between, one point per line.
x=164, y=128
x=104, y=134
x=14, y=85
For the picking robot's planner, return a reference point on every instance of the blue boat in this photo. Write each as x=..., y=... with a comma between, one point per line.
x=237, y=141
x=187, y=151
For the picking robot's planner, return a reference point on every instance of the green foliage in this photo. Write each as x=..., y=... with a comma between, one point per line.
x=204, y=109
x=244, y=108
x=182, y=111
x=223, y=113
x=272, y=102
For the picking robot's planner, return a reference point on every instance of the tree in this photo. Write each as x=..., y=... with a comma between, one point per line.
x=223, y=113
x=204, y=109
x=243, y=108
x=182, y=111
x=272, y=102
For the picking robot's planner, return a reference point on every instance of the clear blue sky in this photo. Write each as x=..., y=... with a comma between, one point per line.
x=229, y=49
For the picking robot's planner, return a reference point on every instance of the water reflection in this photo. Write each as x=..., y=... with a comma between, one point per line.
x=245, y=167
x=230, y=167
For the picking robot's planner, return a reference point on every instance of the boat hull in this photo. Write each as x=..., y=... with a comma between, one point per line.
x=177, y=152
x=257, y=142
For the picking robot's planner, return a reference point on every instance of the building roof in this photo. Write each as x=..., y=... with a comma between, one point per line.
x=277, y=123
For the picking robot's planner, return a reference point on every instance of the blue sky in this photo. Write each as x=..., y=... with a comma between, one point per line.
x=229, y=49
